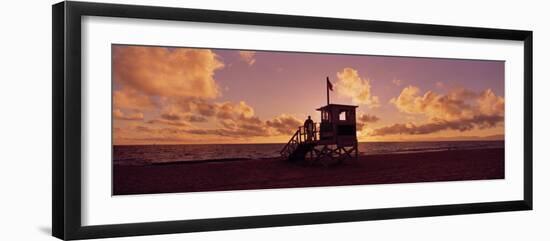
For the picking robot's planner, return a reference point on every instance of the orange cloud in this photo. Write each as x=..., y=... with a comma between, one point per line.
x=460, y=110
x=364, y=119
x=236, y=120
x=246, y=127
x=189, y=105
x=175, y=85
x=229, y=110
x=179, y=115
x=130, y=99
x=479, y=121
x=174, y=116
x=170, y=116
x=457, y=104
x=118, y=114
x=350, y=84
x=168, y=122
x=241, y=128
x=368, y=118
x=195, y=118
x=490, y=104
x=157, y=71
x=248, y=57
x=284, y=124
x=182, y=111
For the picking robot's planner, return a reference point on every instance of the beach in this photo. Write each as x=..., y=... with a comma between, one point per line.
x=263, y=173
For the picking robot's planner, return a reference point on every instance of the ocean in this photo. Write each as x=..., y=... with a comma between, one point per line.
x=150, y=154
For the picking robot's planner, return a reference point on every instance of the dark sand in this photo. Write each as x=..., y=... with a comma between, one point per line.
x=275, y=173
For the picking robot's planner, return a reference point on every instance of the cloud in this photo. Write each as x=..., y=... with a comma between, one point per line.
x=158, y=71
x=460, y=109
x=241, y=128
x=143, y=129
x=170, y=116
x=284, y=124
x=350, y=84
x=235, y=120
x=490, y=104
x=457, y=104
x=238, y=120
x=248, y=57
x=368, y=118
x=198, y=110
x=364, y=119
x=119, y=115
x=168, y=122
x=195, y=118
x=204, y=108
x=479, y=121
x=229, y=110
x=397, y=82
x=133, y=100
x=408, y=101
x=179, y=115
x=195, y=105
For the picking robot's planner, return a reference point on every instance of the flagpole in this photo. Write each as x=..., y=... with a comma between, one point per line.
x=328, y=95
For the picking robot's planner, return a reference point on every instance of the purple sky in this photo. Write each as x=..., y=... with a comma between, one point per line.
x=295, y=81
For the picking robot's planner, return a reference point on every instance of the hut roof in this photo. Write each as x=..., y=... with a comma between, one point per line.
x=331, y=106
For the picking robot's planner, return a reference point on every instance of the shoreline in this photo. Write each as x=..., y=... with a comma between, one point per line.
x=246, y=174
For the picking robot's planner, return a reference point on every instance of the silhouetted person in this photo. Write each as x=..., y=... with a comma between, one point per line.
x=308, y=127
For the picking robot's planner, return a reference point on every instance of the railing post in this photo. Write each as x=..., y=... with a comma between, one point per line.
x=314, y=132
x=299, y=135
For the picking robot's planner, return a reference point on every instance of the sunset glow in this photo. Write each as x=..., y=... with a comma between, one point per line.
x=188, y=95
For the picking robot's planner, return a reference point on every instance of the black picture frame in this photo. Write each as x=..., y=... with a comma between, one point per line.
x=66, y=128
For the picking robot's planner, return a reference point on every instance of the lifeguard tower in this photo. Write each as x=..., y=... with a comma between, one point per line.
x=332, y=140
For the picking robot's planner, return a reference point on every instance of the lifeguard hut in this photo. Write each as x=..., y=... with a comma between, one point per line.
x=332, y=140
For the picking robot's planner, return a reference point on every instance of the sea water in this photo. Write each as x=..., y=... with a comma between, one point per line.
x=149, y=154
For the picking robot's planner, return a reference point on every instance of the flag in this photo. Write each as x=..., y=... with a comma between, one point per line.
x=329, y=85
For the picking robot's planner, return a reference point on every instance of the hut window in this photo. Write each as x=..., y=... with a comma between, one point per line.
x=343, y=115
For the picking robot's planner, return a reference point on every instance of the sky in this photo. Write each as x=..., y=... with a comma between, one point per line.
x=165, y=95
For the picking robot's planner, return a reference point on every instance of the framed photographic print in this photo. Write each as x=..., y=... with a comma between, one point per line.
x=170, y=120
